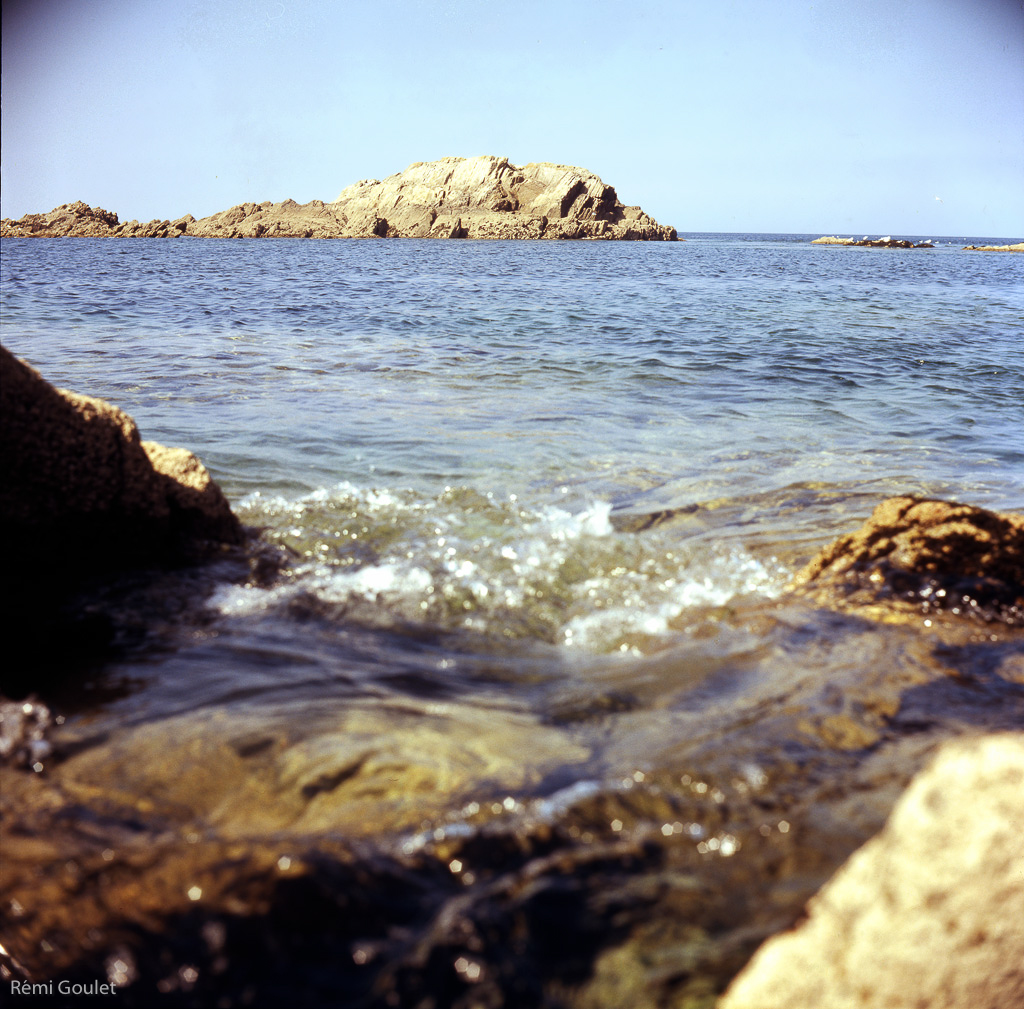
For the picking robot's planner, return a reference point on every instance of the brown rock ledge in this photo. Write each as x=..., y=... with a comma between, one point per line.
x=928, y=913
x=926, y=554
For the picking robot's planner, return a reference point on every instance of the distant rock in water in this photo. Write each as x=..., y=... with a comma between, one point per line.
x=1017, y=247
x=933, y=555
x=79, y=220
x=874, y=243
x=929, y=912
x=481, y=197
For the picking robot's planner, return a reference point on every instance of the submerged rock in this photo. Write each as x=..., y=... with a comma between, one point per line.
x=930, y=912
x=934, y=555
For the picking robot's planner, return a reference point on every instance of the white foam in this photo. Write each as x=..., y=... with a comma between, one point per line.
x=496, y=566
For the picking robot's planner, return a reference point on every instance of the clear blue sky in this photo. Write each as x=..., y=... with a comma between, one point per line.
x=832, y=116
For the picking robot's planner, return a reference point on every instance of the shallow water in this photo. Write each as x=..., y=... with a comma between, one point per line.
x=540, y=503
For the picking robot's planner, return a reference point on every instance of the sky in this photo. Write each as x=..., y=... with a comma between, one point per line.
x=901, y=117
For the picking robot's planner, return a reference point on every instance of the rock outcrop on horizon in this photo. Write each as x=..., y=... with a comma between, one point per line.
x=874, y=243
x=1016, y=247
x=928, y=913
x=487, y=197
x=79, y=220
x=480, y=197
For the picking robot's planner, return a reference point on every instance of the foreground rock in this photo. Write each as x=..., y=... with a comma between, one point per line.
x=928, y=555
x=930, y=912
x=79, y=481
x=79, y=220
x=874, y=243
x=482, y=197
x=84, y=497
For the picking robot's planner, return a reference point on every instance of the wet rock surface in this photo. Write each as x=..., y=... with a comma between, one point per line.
x=606, y=834
x=421, y=853
x=929, y=912
x=926, y=555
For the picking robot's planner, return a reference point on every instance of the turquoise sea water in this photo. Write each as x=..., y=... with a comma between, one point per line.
x=457, y=444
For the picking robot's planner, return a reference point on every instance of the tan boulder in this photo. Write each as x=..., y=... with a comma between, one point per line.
x=81, y=489
x=930, y=555
x=928, y=913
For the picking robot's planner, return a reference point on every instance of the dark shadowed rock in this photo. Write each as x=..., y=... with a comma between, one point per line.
x=929, y=913
x=934, y=555
x=84, y=498
x=80, y=482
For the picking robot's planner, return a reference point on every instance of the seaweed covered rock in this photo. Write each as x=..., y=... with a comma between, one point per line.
x=932, y=555
x=929, y=912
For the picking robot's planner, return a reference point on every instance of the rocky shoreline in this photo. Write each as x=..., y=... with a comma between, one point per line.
x=619, y=893
x=484, y=197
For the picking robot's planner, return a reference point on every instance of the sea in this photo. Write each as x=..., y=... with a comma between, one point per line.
x=536, y=506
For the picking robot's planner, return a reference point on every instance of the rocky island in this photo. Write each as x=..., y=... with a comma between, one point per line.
x=888, y=242
x=480, y=197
